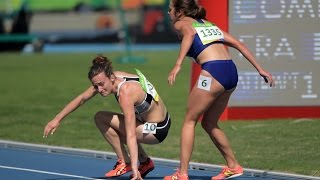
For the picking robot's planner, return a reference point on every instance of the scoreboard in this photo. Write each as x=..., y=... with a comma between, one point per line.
x=284, y=36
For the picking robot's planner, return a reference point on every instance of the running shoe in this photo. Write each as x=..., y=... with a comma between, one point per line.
x=228, y=173
x=176, y=176
x=145, y=167
x=119, y=169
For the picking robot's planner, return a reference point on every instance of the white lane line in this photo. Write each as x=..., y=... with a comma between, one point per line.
x=46, y=172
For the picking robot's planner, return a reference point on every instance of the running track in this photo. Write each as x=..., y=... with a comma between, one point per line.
x=23, y=161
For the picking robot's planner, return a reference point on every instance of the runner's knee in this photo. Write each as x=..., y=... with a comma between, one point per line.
x=209, y=126
x=102, y=118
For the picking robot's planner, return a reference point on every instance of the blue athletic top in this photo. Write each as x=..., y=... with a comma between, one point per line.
x=197, y=47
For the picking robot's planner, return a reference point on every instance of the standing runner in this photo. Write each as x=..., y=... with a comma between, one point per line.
x=205, y=43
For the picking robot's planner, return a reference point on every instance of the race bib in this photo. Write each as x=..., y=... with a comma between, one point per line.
x=208, y=32
x=204, y=83
x=147, y=86
x=149, y=128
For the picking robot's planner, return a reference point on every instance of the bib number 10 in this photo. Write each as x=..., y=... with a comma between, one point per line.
x=149, y=128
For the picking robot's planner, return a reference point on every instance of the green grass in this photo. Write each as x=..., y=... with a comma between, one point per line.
x=35, y=87
x=56, y=5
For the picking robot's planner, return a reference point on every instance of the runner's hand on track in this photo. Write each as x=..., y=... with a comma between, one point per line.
x=136, y=175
